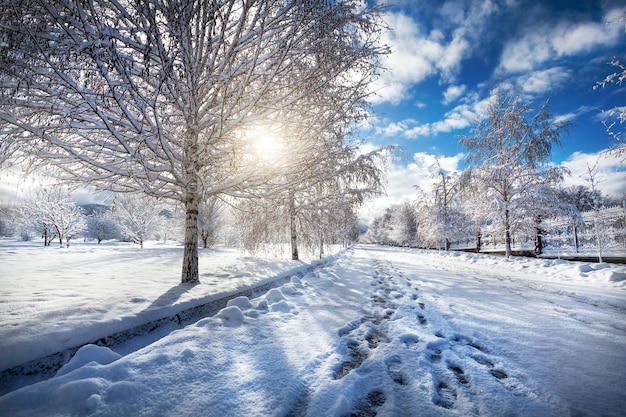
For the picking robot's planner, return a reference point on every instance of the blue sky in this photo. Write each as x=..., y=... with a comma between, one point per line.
x=448, y=56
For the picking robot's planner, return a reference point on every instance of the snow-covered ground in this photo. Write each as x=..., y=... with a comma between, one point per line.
x=374, y=330
x=69, y=297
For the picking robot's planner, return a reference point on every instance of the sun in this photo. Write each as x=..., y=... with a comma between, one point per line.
x=267, y=143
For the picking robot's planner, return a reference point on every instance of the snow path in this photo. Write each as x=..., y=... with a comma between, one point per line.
x=378, y=331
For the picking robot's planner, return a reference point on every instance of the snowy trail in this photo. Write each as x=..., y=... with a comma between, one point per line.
x=378, y=331
x=538, y=340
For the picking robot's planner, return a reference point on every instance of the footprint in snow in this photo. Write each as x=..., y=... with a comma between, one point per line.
x=459, y=374
x=368, y=405
x=375, y=337
x=394, y=365
x=356, y=356
x=444, y=396
x=410, y=340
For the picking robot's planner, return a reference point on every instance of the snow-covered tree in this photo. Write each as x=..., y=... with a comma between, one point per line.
x=397, y=227
x=476, y=207
x=580, y=196
x=8, y=219
x=52, y=213
x=403, y=224
x=597, y=224
x=102, y=226
x=138, y=216
x=208, y=221
x=438, y=211
x=380, y=229
x=616, y=116
x=510, y=153
x=156, y=97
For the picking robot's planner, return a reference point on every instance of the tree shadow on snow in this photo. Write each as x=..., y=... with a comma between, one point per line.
x=172, y=295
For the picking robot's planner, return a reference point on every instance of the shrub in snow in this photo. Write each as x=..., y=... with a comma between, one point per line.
x=295, y=280
x=281, y=307
x=231, y=316
x=252, y=313
x=290, y=289
x=87, y=354
x=242, y=302
x=274, y=295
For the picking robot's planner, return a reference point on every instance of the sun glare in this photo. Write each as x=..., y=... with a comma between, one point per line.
x=267, y=144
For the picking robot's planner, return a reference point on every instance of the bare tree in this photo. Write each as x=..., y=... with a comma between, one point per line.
x=52, y=213
x=616, y=114
x=317, y=208
x=511, y=154
x=208, y=221
x=439, y=212
x=102, y=226
x=155, y=96
x=138, y=216
x=597, y=222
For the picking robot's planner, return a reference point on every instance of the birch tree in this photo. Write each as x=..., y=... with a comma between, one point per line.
x=319, y=207
x=153, y=96
x=510, y=153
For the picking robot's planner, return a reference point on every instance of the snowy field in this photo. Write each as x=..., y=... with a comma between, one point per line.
x=373, y=331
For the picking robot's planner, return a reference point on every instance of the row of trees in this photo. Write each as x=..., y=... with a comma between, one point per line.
x=51, y=214
x=510, y=189
x=168, y=98
x=253, y=224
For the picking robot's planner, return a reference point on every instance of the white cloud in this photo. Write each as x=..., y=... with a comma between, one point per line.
x=612, y=178
x=402, y=180
x=543, y=81
x=452, y=93
x=572, y=116
x=545, y=43
x=416, y=55
x=460, y=117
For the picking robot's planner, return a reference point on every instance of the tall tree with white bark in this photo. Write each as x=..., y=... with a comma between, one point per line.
x=153, y=96
x=510, y=153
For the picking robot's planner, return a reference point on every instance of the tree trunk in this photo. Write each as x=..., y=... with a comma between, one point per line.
x=60, y=237
x=292, y=227
x=321, y=245
x=507, y=234
x=538, y=237
x=190, y=256
x=478, y=241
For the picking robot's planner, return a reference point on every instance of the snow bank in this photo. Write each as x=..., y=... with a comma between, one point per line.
x=89, y=354
x=231, y=316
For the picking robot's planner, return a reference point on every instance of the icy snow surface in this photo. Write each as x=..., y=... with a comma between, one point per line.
x=376, y=331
